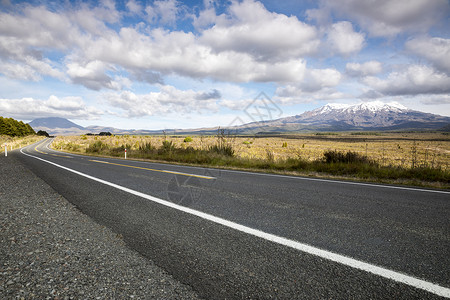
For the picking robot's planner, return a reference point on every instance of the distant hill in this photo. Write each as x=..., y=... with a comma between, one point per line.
x=57, y=126
x=54, y=122
x=366, y=116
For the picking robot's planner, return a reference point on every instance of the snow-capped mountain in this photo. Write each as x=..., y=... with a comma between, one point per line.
x=369, y=107
x=363, y=116
x=368, y=114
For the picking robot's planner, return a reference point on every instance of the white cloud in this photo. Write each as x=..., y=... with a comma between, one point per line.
x=317, y=84
x=134, y=7
x=413, y=80
x=205, y=18
x=368, y=68
x=343, y=40
x=168, y=100
x=290, y=95
x=66, y=107
x=92, y=75
x=165, y=12
x=251, y=29
x=386, y=17
x=436, y=50
x=270, y=47
x=19, y=71
x=317, y=79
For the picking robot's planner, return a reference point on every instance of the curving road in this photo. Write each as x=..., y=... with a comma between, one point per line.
x=236, y=235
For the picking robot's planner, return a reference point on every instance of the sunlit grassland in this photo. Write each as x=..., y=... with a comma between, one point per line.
x=379, y=156
x=18, y=142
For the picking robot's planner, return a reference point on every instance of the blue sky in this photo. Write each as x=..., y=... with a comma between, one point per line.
x=188, y=64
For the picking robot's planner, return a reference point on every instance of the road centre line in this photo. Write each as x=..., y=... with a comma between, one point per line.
x=35, y=148
x=154, y=170
x=341, y=259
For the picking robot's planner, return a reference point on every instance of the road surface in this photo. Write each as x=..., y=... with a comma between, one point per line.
x=236, y=235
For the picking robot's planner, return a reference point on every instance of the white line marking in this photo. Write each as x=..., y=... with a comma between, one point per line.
x=341, y=182
x=348, y=261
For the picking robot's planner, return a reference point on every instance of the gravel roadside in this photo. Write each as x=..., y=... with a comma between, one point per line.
x=50, y=250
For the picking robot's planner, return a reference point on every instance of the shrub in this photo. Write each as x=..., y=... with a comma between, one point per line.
x=223, y=149
x=43, y=133
x=97, y=147
x=188, y=139
x=167, y=146
x=333, y=156
x=146, y=147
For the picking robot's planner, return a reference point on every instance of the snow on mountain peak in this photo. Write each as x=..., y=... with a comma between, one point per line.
x=373, y=106
x=376, y=106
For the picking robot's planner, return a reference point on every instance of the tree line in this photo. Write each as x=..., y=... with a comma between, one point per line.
x=11, y=127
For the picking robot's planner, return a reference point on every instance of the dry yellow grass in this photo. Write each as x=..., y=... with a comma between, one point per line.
x=395, y=149
x=18, y=142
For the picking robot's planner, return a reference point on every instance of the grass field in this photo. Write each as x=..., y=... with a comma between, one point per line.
x=17, y=142
x=408, y=158
x=387, y=149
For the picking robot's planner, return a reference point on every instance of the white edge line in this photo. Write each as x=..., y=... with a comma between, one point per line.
x=302, y=178
x=348, y=261
x=343, y=182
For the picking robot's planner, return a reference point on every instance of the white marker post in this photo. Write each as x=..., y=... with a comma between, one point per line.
x=125, y=153
x=6, y=150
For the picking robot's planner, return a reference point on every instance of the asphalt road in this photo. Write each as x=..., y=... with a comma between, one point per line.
x=240, y=235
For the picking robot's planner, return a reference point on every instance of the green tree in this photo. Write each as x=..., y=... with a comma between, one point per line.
x=11, y=127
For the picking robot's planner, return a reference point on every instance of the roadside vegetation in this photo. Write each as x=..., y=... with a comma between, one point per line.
x=16, y=134
x=410, y=158
x=13, y=128
x=17, y=142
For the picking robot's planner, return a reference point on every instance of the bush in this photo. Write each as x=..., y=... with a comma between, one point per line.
x=222, y=149
x=97, y=147
x=43, y=133
x=333, y=156
x=147, y=147
x=188, y=139
x=167, y=146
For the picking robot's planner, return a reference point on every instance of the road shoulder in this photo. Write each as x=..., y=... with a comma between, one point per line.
x=51, y=249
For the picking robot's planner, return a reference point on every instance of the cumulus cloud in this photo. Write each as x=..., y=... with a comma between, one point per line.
x=317, y=84
x=413, y=80
x=385, y=17
x=251, y=29
x=368, y=68
x=436, y=50
x=164, y=12
x=93, y=76
x=134, y=7
x=19, y=71
x=247, y=43
x=343, y=40
x=167, y=100
x=67, y=107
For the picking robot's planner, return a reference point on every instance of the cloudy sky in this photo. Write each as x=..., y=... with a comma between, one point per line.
x=137, y=64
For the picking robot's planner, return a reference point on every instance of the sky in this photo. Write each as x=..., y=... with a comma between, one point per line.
x=136, y=64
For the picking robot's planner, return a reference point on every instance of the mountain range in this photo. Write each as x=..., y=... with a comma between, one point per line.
x=366, y=116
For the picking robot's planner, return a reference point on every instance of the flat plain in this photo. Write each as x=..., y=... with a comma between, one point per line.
x=405, y=150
